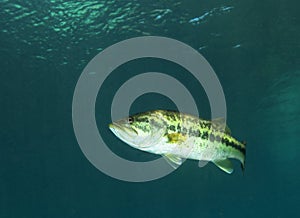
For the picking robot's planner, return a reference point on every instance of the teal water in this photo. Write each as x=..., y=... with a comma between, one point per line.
x=254, y=49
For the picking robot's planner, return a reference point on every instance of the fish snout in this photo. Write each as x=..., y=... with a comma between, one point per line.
x=122, y=129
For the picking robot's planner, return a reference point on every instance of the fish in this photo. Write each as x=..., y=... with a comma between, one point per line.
x=179, y=136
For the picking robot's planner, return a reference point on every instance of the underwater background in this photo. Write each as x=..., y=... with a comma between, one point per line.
x=254, y=48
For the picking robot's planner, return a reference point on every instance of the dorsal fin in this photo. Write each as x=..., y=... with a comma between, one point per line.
x=220, y=125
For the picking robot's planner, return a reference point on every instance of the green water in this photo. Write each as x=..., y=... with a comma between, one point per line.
x=254, y=49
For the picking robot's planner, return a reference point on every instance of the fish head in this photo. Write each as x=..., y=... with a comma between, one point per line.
x=138, y=130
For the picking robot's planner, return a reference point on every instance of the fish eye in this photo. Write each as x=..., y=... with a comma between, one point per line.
x=130, y=120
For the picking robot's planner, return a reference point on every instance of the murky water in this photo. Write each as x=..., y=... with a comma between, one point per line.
x=45, y=45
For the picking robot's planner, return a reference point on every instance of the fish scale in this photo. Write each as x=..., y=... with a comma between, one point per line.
x=178, y=136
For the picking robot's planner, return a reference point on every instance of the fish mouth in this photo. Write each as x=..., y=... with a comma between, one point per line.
x=122, y=129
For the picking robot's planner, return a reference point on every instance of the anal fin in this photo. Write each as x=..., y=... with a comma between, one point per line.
x=202, y=163
x=174, y=160
x=224, y=165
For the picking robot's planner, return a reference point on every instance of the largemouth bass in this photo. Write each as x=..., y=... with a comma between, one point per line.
x=178, y=136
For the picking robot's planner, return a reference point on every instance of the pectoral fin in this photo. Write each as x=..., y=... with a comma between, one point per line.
x=224, y=165
x=173, y=160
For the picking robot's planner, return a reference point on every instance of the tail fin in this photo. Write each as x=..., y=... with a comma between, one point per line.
x=243, y=167
x=243, y=164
